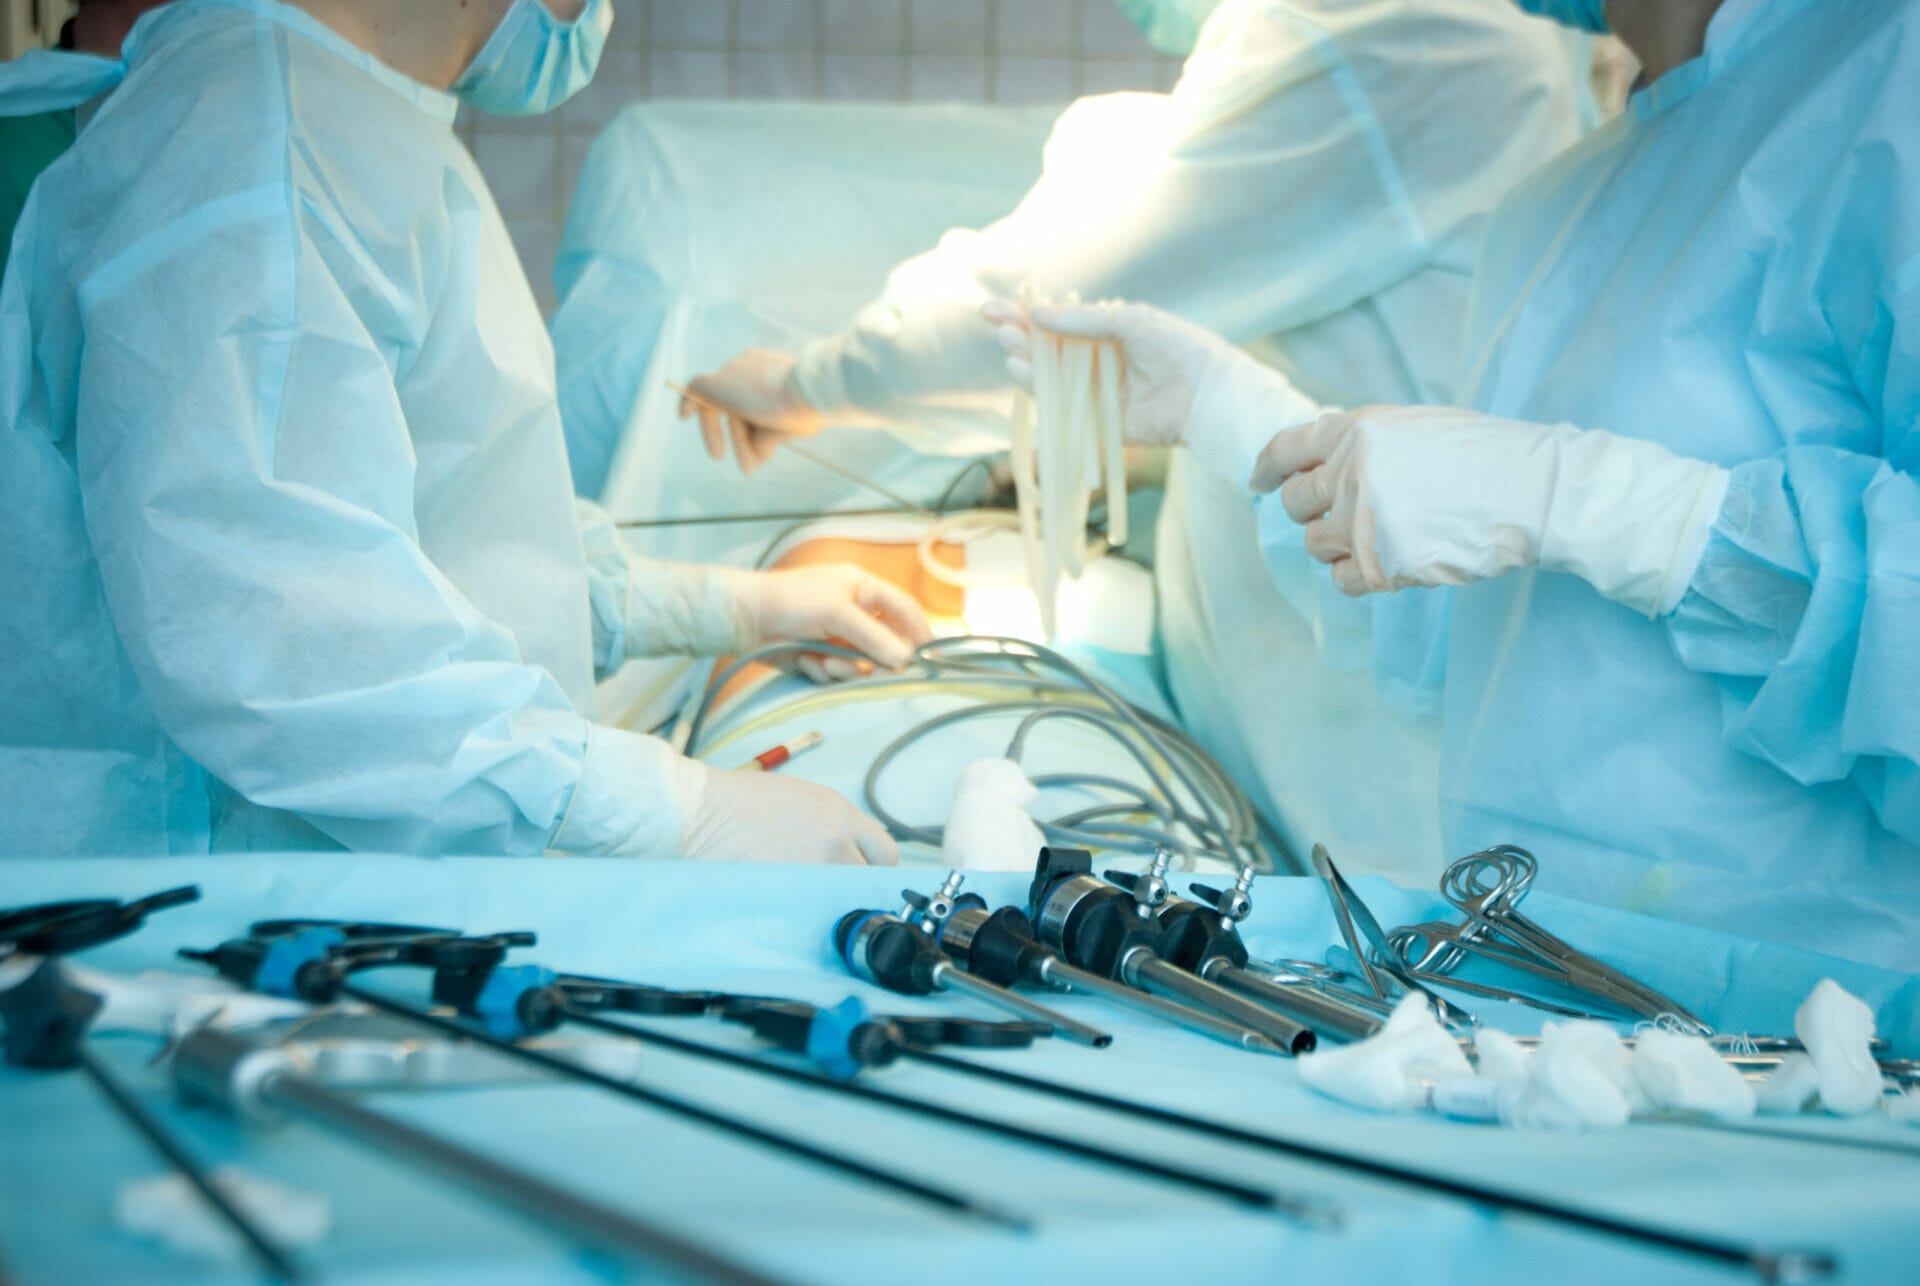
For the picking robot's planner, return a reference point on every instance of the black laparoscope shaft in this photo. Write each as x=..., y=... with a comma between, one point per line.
x=779, y=1142
x=1769, y=1265
x=590, y=1222
x=276, y=1261
x=1237, y=1192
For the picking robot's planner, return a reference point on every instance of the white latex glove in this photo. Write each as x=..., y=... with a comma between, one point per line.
x=1180, y=384
x=839, y=603
x=765, y=817
x=752, y=399
x=1398, y=496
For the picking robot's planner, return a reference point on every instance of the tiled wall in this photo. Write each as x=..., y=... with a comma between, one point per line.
x=996, y=51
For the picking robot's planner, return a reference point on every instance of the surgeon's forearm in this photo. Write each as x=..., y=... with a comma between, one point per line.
x=921, y=346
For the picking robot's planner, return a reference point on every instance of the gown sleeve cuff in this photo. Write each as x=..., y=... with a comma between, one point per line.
x=633, y=798
x=819, y=375
x=682, y=609
x=1240, y=404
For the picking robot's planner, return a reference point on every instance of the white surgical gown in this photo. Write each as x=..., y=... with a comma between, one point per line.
x=1315, y=182
x=291, y=555
x=1732, y=269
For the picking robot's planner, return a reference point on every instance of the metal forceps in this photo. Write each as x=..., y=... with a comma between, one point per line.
x=1356, y=922
x=1414, y=945
x=1487, y=888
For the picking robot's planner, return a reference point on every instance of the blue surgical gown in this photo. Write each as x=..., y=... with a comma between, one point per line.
x=1732, y=269
x=291, y=554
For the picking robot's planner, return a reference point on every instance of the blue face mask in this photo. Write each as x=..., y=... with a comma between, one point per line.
x=1587, y=15
x=1171, y=26
x=534, y=62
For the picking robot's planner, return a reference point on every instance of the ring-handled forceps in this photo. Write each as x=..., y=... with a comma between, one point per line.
x=1487, y=887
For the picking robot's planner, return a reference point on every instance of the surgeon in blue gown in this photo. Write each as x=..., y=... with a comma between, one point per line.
x=291, y=554
x=1683, y=665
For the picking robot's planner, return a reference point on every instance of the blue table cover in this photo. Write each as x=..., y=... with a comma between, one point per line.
x=764, y=929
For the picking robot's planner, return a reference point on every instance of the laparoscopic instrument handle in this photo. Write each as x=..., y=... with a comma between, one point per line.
x=1000, y=946
x=885, y=949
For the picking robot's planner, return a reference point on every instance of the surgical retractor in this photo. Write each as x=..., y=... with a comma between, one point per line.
x=885, y=949
x=1110, y=928
x=1000, y=946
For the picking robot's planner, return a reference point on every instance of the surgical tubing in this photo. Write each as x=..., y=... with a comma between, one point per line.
x=931, y=835
x=1242, y=829
x=954, y=666
x=1054, y=661
x=1249, y=825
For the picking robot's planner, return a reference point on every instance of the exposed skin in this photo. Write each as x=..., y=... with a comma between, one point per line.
x=101, y=26
x=1662, y=33
x=431, y=41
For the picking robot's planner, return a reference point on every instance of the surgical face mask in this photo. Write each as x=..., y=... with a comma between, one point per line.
x=1171, y=26
x=534, y=62
x=1587, y=15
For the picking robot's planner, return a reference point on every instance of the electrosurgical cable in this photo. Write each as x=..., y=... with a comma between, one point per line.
x=1198, y=803
x=1247, y=822
x=1050, y=659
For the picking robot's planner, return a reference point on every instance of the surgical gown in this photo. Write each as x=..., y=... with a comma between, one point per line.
x=291, y=555
x=1314, y=186
x=1732, y=268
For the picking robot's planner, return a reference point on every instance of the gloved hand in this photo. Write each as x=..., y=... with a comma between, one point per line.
x=753, y=399
x=1180, y=384
x=1398, y=496
x=765, y=817
x=839, y=603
